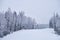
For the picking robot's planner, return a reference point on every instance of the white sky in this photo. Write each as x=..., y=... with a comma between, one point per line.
x=41, y=10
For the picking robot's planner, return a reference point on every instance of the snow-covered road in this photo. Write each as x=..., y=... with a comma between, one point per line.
x=34, y=34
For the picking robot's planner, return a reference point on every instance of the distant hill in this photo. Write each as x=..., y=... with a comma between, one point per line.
x=41, y=26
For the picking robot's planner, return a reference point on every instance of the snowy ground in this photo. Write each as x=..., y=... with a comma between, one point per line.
x=38, y=34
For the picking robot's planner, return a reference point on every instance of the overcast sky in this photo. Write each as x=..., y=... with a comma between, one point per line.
x=41, y=10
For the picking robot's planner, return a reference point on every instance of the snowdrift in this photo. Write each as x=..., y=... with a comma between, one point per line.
x=34, y=34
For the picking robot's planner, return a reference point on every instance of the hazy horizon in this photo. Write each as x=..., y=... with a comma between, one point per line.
x=41, y=10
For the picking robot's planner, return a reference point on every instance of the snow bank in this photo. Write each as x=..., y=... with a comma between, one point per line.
x=38, y=34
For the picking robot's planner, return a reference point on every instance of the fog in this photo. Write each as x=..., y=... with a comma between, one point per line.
x=41, y=10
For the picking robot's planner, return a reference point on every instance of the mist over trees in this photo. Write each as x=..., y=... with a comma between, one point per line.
x=55, y=23
x=10, y=22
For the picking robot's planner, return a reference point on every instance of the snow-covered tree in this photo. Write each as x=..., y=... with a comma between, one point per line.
x=20, y=20
x=2, y=24
x=52, y=21
x=14, y=21
x=50, y=24
x=33, y=23
x=9, y=19
x=29, y=23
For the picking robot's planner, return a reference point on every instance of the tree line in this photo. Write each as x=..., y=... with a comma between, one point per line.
x=11, y=21
x=55, y=23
